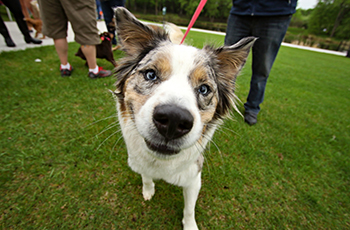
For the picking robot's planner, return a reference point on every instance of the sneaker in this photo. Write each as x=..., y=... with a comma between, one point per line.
x=250, y=118
x=101, y=73
x=66, y=72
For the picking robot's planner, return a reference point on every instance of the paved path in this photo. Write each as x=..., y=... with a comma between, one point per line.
x=17, y=37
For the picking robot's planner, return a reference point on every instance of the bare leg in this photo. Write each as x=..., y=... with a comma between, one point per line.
x=147, y=188
x=90, y=55
x=191, y=194
x=25, y=12
x=61, y=46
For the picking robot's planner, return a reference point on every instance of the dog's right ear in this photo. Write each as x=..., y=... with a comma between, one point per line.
x=134, y=36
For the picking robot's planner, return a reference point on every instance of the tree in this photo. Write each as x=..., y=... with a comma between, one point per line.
x=331, y=17
x=343, y=8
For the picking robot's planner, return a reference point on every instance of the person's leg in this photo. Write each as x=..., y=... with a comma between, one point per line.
x=94, y=70
x=61, y=46
x=270, y=31
x=90, y=54
x=98, y=9
x=25, y=12
x=108, y=13
x=238, y=27
x=55, y=26
x=15, y=8
x=83, y=20
x=5, y=33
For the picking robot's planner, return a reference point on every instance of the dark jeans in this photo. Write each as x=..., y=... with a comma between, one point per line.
x=108, y=13
x=270, y=31
x=98, y=9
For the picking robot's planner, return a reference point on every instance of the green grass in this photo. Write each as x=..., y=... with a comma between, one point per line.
x=61, y=167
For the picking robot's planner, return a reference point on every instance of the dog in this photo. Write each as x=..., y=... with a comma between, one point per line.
x=170, y=99
x=103, y=50
x=37, y=24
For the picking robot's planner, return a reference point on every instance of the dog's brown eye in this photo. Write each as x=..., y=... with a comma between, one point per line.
x=204, y=90
x=150, y=75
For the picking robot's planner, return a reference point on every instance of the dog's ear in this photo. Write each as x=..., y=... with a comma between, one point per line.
x=230, y=60
x=134, y=36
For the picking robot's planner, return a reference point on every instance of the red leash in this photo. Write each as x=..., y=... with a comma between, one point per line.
x=194, y=18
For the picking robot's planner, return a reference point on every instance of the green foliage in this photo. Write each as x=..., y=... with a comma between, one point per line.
x=331, y=18
x=300, y=18
x=214, y=10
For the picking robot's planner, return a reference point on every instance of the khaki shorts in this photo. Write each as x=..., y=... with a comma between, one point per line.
x=81, y=14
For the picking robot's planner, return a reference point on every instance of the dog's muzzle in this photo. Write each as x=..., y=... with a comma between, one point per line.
x=172, y=122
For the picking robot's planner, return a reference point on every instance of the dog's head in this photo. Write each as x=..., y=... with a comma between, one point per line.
x=105, y=36
x=174, y=95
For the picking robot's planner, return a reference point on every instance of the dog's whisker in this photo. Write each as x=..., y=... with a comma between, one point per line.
x=115, y=144
x=107, y=139
x=103, y=119
x=221, y=129
x=217, y=147
x=110, y=126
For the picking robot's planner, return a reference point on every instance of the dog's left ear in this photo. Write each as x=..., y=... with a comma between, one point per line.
x=230, y=60
x=134, y=36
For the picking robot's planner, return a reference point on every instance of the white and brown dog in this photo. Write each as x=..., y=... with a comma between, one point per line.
x=170, y=100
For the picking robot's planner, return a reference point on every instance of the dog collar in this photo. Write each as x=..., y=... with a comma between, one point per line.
x=103, y=38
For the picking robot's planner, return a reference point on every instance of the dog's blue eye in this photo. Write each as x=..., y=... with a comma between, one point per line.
x=150, y=75
x=204, y=90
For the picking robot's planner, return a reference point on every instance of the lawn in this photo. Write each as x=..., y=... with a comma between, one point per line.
x=63, y=163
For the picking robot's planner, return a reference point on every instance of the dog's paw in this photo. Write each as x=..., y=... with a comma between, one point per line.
x=189, y=224
x=148, y=191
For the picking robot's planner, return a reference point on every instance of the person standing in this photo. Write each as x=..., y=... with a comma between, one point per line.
x=268, y=20
x=82, y=16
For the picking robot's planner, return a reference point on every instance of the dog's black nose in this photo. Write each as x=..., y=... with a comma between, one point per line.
x=172, y=121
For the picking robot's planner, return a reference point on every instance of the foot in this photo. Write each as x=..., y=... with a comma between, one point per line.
x=148, y=191
x=189, y=223
x=9, y=42
x=66, y=72
x=250, y=118
x=101, y=73
x=32, y=40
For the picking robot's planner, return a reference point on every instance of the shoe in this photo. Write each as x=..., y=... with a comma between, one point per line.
x=250, y=118
x=66, y=72
x=9, y=42
x=101, y=73
x=29, y=39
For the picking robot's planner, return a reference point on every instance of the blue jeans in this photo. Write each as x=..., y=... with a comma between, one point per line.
x=108, y=13
x=98, y=9
x=270, y=31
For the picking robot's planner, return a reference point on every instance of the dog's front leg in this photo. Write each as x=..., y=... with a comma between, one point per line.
x=190, y=196
x=147, y=187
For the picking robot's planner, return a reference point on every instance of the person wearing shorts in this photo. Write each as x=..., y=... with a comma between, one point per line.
x=81, y=14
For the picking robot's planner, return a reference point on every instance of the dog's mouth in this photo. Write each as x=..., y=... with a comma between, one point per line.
x=161, y=148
